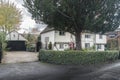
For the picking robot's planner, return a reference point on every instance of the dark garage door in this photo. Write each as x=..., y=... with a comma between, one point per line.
x=16, y=45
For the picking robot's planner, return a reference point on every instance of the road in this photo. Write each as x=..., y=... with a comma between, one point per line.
x=43, y=71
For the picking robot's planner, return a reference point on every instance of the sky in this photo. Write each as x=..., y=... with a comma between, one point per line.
x=27, y=22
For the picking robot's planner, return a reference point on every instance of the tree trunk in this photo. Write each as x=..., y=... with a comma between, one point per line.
x=78, y=40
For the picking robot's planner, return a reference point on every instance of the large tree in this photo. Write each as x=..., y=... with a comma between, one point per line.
x=76, y=16
x=10, y=16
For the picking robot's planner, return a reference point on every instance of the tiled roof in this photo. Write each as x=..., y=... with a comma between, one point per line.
x=47, y=29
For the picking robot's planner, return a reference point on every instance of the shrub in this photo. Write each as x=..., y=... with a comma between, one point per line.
x=30, y=48
x=77, y=57
x=50, y=46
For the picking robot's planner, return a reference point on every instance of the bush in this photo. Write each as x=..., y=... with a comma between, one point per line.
x=30, y=48
x=50, y=46
x=77, y=57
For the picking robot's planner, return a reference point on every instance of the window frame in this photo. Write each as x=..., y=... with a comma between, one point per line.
x=87, y=36
x=99, y=46
x=46, y=39
x=61, y=33
x=61, y=46
x=86, y=45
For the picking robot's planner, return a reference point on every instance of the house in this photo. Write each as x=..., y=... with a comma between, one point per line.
x=15, y=41
x=113, y=40
x=64, y=40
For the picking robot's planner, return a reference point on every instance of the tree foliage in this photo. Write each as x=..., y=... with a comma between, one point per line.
x=10, y=16
x=112, y=44
x=76, y=16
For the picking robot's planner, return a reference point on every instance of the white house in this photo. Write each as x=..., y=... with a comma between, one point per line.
x=63, y=40
x=15, y=41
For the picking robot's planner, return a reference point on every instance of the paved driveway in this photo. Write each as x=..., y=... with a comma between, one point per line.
x=15, y=57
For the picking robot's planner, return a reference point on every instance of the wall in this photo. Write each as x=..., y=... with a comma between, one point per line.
x=51, y=38
x=101, y=41
x=66, y=46
x=62, y=38
x=87, y=40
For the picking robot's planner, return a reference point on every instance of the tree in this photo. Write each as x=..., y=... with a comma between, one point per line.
x=2, y=44
x=76, y=16
x=112, y=44
x=10, y=16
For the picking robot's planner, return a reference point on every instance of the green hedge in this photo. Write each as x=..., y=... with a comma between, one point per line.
x=77, y=57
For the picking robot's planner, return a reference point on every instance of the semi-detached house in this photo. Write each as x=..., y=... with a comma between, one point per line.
x=62, y=40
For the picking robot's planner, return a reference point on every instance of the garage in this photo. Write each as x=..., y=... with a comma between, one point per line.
x=15, y=42
x=16, y=46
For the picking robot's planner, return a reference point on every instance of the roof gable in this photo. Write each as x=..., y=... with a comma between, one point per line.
x=14, y=35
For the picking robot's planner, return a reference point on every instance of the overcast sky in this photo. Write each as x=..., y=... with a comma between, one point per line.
x=27, y=22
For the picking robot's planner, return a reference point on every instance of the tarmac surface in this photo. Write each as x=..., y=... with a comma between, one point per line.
x=44, y=71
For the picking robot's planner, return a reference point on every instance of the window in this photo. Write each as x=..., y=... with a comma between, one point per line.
x=100, y=36
x=14, y=35
x=46, y=39
x=61, y=46
x=99, y=46
x=87, y=45
x=62, y=33
x=87, y=36
x=111, y=36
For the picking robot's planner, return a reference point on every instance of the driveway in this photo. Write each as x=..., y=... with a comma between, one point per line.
x=19, y=56
x=43, y=71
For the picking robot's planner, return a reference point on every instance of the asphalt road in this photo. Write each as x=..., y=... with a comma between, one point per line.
x=43, y=71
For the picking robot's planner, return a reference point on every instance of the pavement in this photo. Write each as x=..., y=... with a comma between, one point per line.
x=44, y=71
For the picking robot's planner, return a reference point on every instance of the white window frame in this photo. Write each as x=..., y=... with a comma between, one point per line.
x=87, y=36
x=99, y=46
x=46, y=39
x=87, y=45
x=61, y=33
x=61, y=46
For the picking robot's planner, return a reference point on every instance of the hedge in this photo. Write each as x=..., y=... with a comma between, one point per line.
x=77, y=57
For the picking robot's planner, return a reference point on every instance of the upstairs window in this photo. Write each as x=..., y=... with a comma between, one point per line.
x=62, y=33
x=46, y=39
x=87, y=36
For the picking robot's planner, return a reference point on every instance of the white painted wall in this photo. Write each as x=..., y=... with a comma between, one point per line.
x=13, y=36
x=66, y=46
x=51, y=38
x=87, y=40
x=62, y=38
x=91, y=39
x=55, y=37
x=101, y=41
